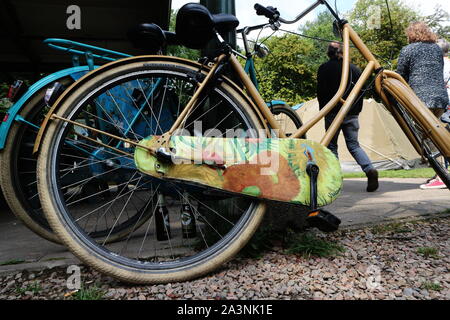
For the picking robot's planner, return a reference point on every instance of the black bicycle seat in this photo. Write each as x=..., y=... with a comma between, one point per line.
x=195, y=25
x=150, y=37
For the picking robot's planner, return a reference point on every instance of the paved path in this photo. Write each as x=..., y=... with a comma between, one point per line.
x=396, y=199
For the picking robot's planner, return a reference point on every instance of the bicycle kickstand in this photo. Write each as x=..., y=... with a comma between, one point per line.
x=319, y=218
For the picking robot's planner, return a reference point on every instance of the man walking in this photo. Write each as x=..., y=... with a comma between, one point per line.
x=328, y=81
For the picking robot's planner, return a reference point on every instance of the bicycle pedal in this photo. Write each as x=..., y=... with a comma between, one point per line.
x=323, y=220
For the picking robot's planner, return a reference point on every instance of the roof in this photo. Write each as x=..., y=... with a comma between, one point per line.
x=24, y=24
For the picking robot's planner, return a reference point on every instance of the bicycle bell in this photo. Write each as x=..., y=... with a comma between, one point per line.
x=261, y=50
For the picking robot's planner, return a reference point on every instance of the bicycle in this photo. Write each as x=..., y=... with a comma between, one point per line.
x=21, y=123
x=224, y=218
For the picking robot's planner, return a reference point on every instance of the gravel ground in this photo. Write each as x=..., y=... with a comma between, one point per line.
x=401, y=261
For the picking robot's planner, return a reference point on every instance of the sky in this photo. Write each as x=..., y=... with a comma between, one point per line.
x=290, y=8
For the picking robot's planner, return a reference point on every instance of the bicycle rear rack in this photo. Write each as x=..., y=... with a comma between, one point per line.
x=89, y=52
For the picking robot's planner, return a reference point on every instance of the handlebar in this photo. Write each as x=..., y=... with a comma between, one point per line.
x=274, y=15
x=275, y=18
x=269, y=12
x=247, y=30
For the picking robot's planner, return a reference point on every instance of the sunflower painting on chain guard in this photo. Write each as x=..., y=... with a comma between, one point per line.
x=268, y=168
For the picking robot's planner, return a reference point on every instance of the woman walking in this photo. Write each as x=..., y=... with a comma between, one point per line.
x=421, y=63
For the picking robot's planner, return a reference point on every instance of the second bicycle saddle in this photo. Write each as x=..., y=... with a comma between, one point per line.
x=150, y=37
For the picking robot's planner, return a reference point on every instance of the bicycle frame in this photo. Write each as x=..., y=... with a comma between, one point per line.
x=386, y=81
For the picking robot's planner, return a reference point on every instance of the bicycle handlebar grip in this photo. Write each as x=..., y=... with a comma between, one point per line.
x=268, y=12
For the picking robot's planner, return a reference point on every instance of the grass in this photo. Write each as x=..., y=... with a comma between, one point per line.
x=428, y=252
x=390, y=228
x=11, y=262
x=413, y=173
x=54, y=259
x=35, y=288
x=431, y=286
x=91, y=293
x=309, y=245
x=261, y=242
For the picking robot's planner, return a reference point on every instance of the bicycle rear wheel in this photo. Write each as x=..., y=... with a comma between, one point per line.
x=134, y=100
x=18, y=166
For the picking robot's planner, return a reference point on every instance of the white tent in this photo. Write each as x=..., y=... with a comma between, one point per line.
x=380, y=136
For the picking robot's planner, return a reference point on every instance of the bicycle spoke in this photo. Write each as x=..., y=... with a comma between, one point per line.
x=110, y=201
x=120, y=214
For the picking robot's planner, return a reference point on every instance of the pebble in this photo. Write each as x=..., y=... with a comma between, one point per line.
x=399, y=274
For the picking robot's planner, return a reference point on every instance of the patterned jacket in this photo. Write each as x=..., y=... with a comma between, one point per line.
x=422, y=66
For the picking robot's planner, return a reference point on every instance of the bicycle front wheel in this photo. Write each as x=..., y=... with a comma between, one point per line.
x=134, y=100
x=288, y=120
x=429, y=147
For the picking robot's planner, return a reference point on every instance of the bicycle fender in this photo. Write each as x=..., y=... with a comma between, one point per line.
x=75, y=73
x=136, y=59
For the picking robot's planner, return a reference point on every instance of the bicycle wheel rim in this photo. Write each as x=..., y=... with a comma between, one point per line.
x=120, y=260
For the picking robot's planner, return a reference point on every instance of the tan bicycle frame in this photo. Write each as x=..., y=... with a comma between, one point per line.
x=386, y=81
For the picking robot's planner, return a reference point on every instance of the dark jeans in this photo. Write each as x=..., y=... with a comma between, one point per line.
x=350, y=128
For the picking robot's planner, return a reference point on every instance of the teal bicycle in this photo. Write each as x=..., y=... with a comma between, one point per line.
x=21, y=123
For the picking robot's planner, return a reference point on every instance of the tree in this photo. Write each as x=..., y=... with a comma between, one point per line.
x=285, y=73
x=385, y=37
x=438, y=21
x=289, y=72
x=320, y=33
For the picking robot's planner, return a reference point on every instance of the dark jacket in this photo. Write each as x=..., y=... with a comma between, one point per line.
x=328, y=81
x=422, y=66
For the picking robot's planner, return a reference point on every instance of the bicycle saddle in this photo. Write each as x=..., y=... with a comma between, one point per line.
x=195, y=25
x=150, y=37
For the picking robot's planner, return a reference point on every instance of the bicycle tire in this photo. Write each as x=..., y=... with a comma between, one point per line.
x=18, y=168
x=427, y=144
x=98, y=255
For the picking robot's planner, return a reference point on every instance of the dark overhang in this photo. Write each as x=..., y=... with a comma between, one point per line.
x=24, y=24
